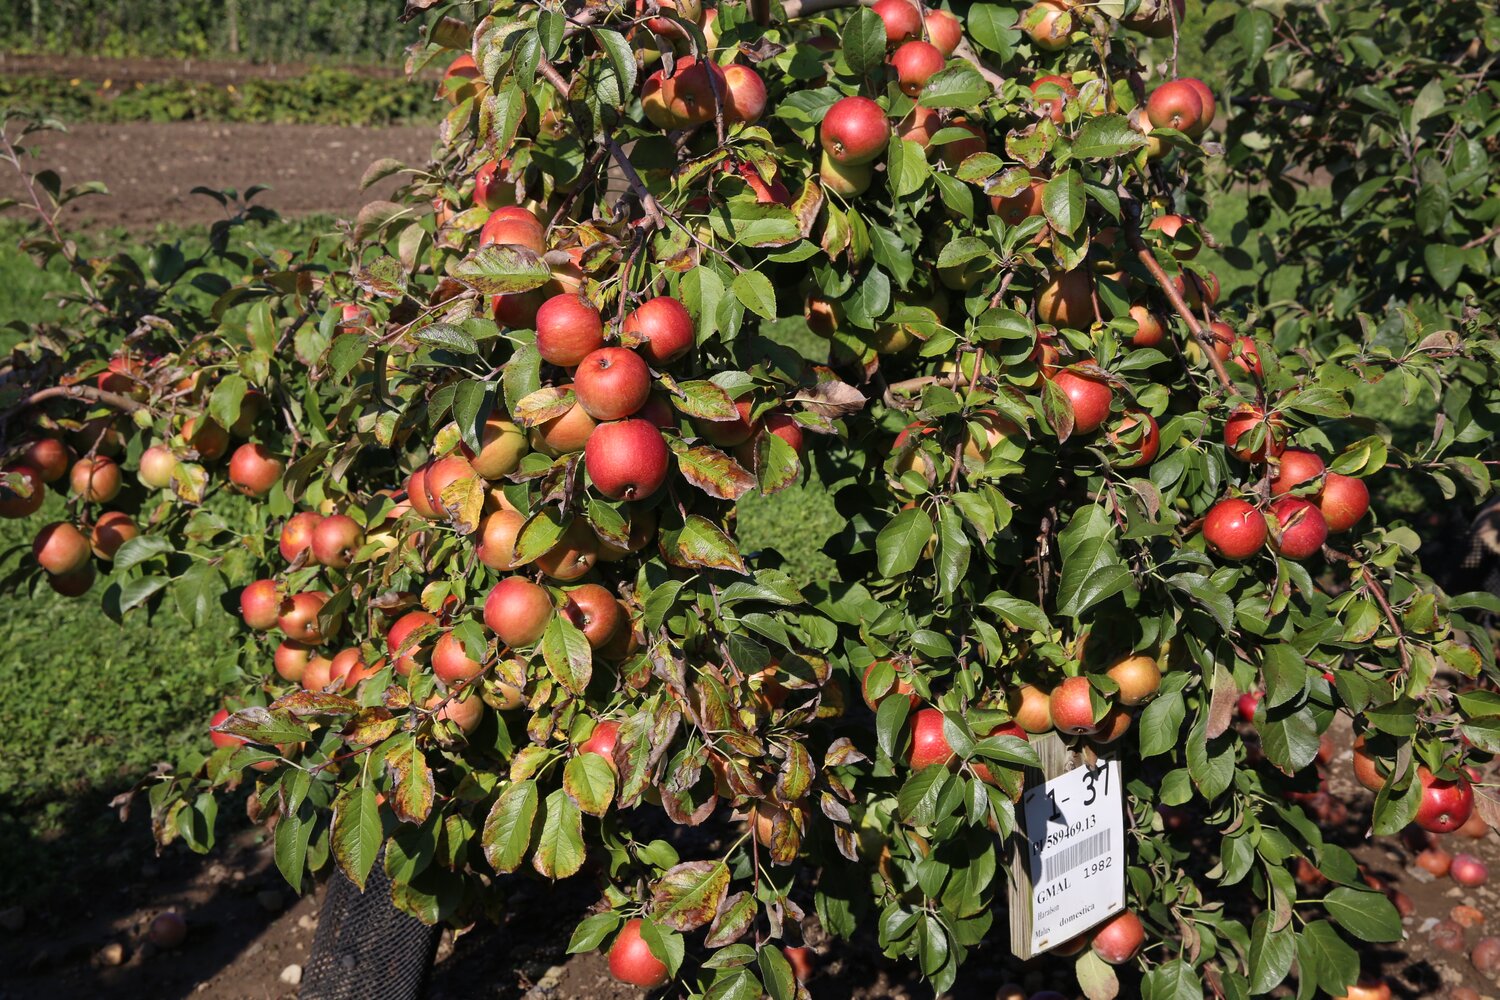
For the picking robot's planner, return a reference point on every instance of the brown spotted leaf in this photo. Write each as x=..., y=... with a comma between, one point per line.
x=543, y=405
x=701, y=399
x=832, y=399
x=502, y=270
x=370, y=726
x=690, y=895
x=304, y=703
x=712, y=471
x=411, y=798
x=733, y=920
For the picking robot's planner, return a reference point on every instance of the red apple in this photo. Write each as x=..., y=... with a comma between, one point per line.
x=602, y=741
x=1054, y=107
x=97, y=479
x=1145, y=447
x=49, y=457
x=497, y=539
x=1090, y=397
x=631, y=961
x=564, y=434
x=1344, y=501
x=1240, y=423
x=612, y=383
x=253, y=470
x=903, y=20
x=260, y=605
x=1120, y=938
x=1300, y=528
x=568, y=329
x=299, y=616
x=336, y=539
x=1234, y=529
x=1446, y=805
x=1468, y=870
x=944, y=30
x=13, y=504
x=929, y=746
x=1176, y=104
x=855, y=130
x=915, y=63
x=450, y=661
x=596, y=612
x=517, y=611
x=406, y=655
x=297, y=534
x=627, y=459
x=1294, y=468
x=1067, y=300
x=291, y=659
x=1072, y=707
x=60, y=548
x=745, y=100
x=666, y=329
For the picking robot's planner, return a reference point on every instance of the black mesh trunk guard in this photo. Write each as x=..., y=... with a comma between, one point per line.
x=365, y=948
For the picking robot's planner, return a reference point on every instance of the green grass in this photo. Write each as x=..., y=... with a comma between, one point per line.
x=321, y=97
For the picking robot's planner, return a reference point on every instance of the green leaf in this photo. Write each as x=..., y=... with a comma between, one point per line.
x=1444, y=262
x=500, y=270
x=448, y=337
x=590, y=782
x=958, y=86
x=1092, y=568
x=594, y=928
x=507, y=830
x=1253, y=27
x=293, y=832
x=559, y=847
x=224, y=404
x=755, y=293
x=899, y=546
x=1106, y=137
x=1326, y=959
x=140, y=549
x=357, y=835
x=993, y=27
x=1271, y=954
x=1368, y=915
x=568, y=654
x=1161, y=724
x=906, y=167
x=863, y=41
x=1174, y=980
x=1062, y=202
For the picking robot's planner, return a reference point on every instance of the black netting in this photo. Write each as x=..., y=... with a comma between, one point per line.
x=365, y=948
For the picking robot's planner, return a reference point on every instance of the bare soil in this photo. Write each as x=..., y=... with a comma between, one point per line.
x=151, y=168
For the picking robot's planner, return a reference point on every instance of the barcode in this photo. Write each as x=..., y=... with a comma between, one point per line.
x=1073, y=855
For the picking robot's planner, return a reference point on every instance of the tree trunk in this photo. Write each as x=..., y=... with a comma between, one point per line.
x=234, y=26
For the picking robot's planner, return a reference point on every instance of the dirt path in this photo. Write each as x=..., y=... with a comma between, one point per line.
x=151, y=168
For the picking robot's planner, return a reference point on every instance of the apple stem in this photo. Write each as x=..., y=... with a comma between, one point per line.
x=1133, y=237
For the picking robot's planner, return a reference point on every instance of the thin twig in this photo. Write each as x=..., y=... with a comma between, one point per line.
x=84, y=392
x=647, y=199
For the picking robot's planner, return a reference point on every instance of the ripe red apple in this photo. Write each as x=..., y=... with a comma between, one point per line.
x=497, y=539
x=1446, y=805
x=1146, y=447
x=929, y=746
x=1300, y=528
x=516, y=310
x=944, y=30
x=574, y=554
x=919, y=126
x=97, y=479
x=1366, y=770
x=1486, y=958
x=205, y=437
x=458, y=84
x=1240, y=423
x=690, y=96
x=1234, y=529
x=1049, y=24
x=317, y=673
x=514, y=226
x=502, y=445
x=666, y=329
x=299, y=616
x=336, y=539
x=406, y=655
x=348, y=667
x=1020, y=206
x=1344, y=501
x=1206, y=99
x=915, y=63
x=627, y=460
x=1246, y=705
x=450, y=661
x=260, y=605
x=612, y=383
x=157, y=465
x=1054, y=107
x=1176, y=104
x=440, y=475
x=1468, y=870
x=903, y=20
x=517, y=611
x=297, y=535
x=855, y=130
x=631, y=961
x=253, y=470
x=745, y=97
x=60, y=548
x=1169, y=226
x=291, y=659
x=1031, y=708
x=568, y=329
x=1120, y=938
x=564, y=434
x=49, y=457
x=12, y=504
x=491, y=190
x=1067, y=300
x=1139, y=678
x=602, y=741
x=1072, y=707
x=1294, y=468
x=1090, y=398
x=596, y=612
x=222, y=739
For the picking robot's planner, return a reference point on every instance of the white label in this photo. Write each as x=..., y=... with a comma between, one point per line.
x=1075, y=831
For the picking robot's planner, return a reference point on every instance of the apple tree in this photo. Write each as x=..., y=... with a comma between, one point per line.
x=469, y=473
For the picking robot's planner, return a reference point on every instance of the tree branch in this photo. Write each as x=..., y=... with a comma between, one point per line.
x=647, y=199
x=84, y=392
